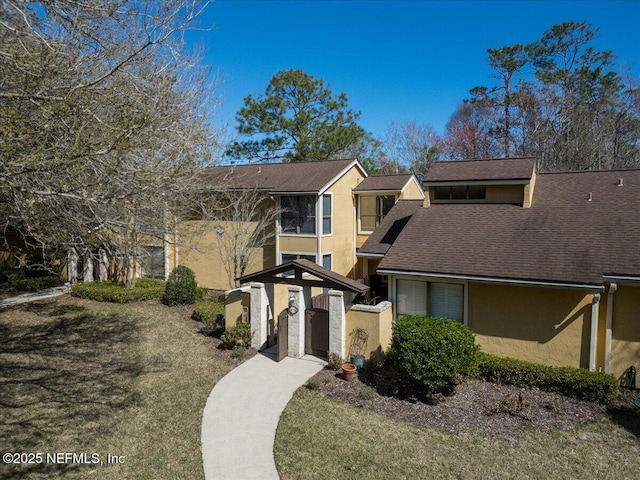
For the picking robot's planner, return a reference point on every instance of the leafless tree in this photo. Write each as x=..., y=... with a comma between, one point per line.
x=242, y=222
x=411, y=146
x=103, y=119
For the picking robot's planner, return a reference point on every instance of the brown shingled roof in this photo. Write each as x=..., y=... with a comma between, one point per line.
x=562, y=238
x=391, y=226
x=278, y=177
x=481, y=170
x=390, y=183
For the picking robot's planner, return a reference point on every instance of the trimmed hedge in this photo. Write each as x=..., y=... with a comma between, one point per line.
x=578, y=383
x=144, y=289
x=181, y=288
x=33, y=284
x=437, y=353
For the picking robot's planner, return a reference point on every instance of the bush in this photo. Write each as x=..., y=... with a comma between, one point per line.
x=578, y=383
x=437, y=353
x=238, y=336
x=335, y=361
x=181, y=288
x=33, y=284
x=144, y=289
x=211, y=314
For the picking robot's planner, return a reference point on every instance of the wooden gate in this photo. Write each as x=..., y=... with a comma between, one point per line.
x=316, y=332
x=283, y=335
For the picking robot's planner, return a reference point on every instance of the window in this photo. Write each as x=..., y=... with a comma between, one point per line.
x=373, y=209
x=326, y=261
x=447, y=300
x=152, y=261
x=298, y=214
x=290, y=257
x=460, y=192
x=326, y=214
x=411, y=298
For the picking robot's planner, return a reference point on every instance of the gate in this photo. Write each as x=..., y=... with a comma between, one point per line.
x=283, y=335
x=316, y=332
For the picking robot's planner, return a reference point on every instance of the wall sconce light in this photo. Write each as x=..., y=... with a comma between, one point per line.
x=293, y=309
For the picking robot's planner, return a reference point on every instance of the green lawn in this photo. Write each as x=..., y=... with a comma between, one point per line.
x=320, y=438
x=126, y=380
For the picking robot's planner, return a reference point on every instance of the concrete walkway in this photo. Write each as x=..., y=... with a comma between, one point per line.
x=33, y=296
x=242, y=413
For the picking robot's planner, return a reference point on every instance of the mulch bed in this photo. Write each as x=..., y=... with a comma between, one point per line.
x=475, y=407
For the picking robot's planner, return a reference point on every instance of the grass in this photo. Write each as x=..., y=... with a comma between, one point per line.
x=321, y=438
x=78, y=376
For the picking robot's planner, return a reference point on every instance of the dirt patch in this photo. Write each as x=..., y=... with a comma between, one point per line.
x=475, y=407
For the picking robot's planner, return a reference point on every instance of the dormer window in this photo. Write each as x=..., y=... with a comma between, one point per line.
x=460, y=192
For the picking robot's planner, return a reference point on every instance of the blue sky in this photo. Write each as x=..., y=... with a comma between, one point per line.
x=395, y=60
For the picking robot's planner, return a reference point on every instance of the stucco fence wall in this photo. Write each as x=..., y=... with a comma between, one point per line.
x=625, y=338
x=376, y=321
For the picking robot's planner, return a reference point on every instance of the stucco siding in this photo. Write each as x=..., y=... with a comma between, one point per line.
x=411, y=192
x=625, y=341
x=341, y=241
x=549, y=326
x=200, y=250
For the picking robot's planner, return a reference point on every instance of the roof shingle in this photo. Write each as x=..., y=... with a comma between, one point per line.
x=563, y=238
x=481, y=170
x=390, y=183
x=277, y=177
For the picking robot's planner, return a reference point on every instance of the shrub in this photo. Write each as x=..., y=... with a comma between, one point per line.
x=211, y=314
x=33, y=284
x=144, y=289
x=238, y=353
x=238, y=336
x=437, y=353
x=578, y=383
x=181, y=287
x=335, y=361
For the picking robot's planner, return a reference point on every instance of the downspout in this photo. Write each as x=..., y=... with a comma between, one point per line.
x=607, y=345
x=319, y=213
x=595, y=304
x=165, y=244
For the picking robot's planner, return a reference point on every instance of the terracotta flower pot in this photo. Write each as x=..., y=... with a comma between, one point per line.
x=348, y=370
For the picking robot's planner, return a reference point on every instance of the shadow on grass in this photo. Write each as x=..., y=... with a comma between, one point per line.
x=63, y=378
x=627, y=417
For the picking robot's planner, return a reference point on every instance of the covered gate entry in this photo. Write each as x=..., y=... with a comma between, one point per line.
x=314, y=330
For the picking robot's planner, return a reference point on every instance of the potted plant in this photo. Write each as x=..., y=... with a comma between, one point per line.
x=348, y=371
x=359, y=338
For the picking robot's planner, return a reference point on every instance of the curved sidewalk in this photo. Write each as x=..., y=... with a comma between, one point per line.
x=33, y=296
x=242, y=413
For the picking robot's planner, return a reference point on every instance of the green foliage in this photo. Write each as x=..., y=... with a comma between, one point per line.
x=181, y=288
x=335, y=361
x=211, y=314
x=33, y=284
x=578, y=383
x=238, y=336
x=366, y=393
x=312, y=384
x=144, y=289
x=437, y=353
x=297, y=119
x=238, y=353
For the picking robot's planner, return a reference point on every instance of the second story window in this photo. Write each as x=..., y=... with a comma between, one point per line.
x=298, y=215
x=373, y=209
x=326, y=214
x=460, y=192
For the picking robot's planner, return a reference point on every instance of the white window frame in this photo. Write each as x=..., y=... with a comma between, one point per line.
x=321, y=213
x=316, y=224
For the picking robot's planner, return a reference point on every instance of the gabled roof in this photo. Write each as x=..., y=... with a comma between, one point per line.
x=327, y=278
x=581, y=226
x=491, y=170
x=386, y=183
x=391, y=226
x=294, y=177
